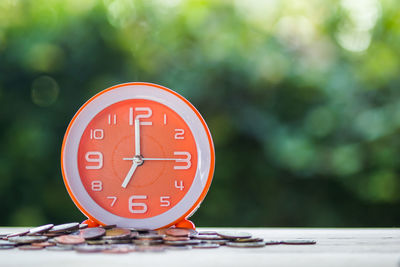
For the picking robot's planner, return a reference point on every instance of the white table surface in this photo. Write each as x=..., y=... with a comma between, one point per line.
x=335, y=247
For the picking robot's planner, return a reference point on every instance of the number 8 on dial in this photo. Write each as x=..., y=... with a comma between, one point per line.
x=138, y=155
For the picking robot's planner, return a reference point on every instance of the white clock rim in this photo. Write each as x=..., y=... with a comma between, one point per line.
x=136, y=91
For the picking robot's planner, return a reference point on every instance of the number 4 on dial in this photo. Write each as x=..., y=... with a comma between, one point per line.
x=179, y=185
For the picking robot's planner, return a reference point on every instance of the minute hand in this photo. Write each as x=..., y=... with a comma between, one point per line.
x=137, y=137
x=156, y=159
x=177, y=159
x=186, y=159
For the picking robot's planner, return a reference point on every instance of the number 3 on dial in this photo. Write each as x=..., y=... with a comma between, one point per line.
x=185, y=160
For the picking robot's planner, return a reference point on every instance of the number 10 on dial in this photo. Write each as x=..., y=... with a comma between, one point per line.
x=137, y=155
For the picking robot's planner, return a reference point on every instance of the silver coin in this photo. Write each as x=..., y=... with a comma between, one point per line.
x=77, y=232
x=51, y=235
x=206, y=245
x=18, y=234
x=109, y=226
x=272, y=242
x=220, y=242
x=143, y=230
x=119, y=241
x=207, y=233
x=245, y=244
x=208, y=237
x=60, y=248
x=64, y=227
x=96, y=242
x=147, y=242
x=178, y=247
x=299, y=242
x=150, y=248
x=133, y=235
x=6, y=247
x=40, y=229
x=83, y=226
x=120, y=249
x=233, y=235
x=129, y=246
x=92, y=233
x=175, y=238
x=27, y=239
x=6, y=243
x=90, y=248
x=253, y=239
x=183, y=243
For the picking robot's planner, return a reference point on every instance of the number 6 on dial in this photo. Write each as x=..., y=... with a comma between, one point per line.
x=132, y=204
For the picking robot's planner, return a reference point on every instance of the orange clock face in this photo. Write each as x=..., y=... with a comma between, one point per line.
x=137, y=158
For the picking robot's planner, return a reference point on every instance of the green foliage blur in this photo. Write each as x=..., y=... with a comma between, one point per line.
x=301, y=96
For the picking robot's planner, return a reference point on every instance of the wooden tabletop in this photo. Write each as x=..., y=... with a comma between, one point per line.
x=335, y=247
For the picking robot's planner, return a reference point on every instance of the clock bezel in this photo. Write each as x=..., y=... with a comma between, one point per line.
x=149, y=91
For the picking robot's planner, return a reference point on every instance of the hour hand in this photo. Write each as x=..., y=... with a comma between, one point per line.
x=129, y=175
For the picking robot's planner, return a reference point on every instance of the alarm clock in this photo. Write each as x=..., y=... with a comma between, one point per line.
x=138, y=155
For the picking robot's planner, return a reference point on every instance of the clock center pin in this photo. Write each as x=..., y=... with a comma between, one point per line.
x=138, y=160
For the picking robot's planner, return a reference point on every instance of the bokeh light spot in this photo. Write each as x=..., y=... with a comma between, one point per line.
x=320, y=122
x=27, y=215
x=383, y=186
x=346, y=160
x=45, y=57
x=44, y=91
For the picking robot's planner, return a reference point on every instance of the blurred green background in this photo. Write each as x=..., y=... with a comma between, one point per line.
x=301, y=96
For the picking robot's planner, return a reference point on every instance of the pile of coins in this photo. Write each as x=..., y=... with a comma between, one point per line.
x=112, y=239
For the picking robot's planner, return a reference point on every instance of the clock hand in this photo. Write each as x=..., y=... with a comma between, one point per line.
x=161, y=158
x=137, y=137
x=130, y=174
x=154, y=159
